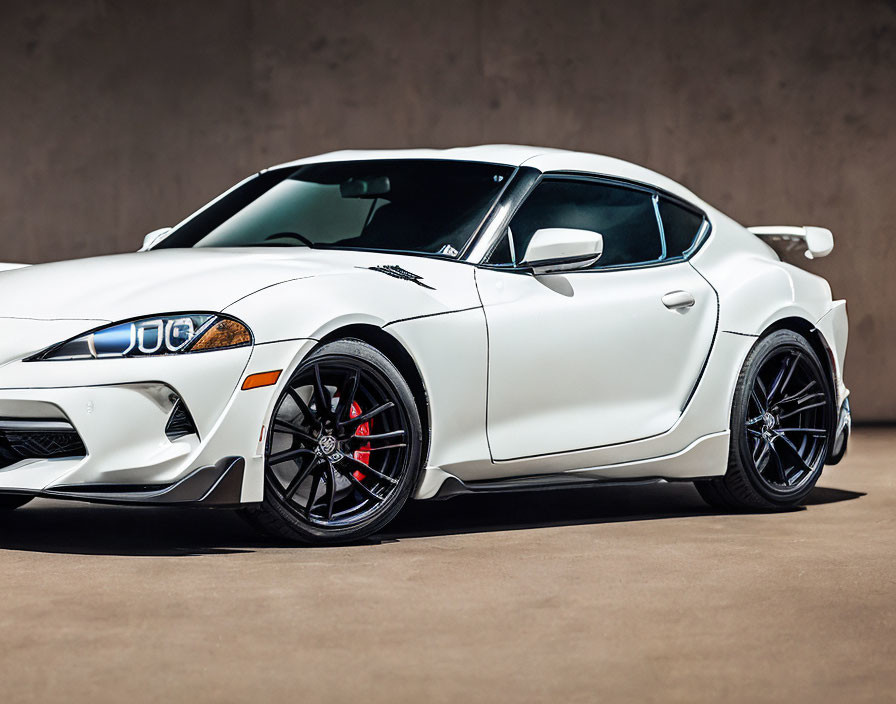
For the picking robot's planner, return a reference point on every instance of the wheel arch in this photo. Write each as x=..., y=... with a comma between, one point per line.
x=396, y=353
x=813, y=336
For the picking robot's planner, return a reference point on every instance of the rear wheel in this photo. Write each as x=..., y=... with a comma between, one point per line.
x=343, y=447
x=781, y=425
x=10, y=502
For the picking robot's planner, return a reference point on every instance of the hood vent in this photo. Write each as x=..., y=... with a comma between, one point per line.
x=401, y=273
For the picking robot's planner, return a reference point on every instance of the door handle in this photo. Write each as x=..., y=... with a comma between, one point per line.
x=678, y=300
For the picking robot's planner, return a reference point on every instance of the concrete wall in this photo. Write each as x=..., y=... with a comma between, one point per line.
x=118, y=117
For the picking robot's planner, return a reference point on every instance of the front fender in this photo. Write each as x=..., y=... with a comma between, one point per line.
x=313, y=307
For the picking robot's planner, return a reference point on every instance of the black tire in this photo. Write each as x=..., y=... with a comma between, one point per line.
x=10, y=502
x=778, y=443
x=710, y=494
x=358, y=499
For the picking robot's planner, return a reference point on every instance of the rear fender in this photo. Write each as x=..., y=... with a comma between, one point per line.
x=755, y=288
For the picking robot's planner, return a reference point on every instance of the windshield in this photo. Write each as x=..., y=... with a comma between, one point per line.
x=403, y=205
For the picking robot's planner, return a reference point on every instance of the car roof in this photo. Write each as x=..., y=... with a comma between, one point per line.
x=545, y=159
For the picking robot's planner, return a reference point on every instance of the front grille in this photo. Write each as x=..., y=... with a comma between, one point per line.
x=35, y=439
x=180, y=423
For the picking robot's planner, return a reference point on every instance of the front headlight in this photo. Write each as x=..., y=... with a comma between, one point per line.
x=149, y=337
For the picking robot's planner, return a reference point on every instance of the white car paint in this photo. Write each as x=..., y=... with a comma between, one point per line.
x=586, y=373
x=554, y=243
x=590, y=358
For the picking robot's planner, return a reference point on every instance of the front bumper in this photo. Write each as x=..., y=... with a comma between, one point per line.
x=120, y=409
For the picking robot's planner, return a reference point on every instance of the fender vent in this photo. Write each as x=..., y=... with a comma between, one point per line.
x=180, y=423
x=400, y=273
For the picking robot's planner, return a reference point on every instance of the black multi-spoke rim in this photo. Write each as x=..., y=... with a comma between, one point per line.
x=338, y=443
x=788, y=420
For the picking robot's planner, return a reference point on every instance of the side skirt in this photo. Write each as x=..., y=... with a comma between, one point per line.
x=705, y=457
x=455, y=487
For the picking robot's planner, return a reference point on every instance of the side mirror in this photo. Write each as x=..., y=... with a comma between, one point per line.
x=154, y=237
x=562, y=249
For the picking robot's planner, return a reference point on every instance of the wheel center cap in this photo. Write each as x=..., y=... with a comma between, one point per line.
x=769, y=420
x=328, y=445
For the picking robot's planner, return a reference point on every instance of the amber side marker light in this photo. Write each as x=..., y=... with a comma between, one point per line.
x=254, y=381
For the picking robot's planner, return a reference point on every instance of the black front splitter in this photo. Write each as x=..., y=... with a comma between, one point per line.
x=218, y=485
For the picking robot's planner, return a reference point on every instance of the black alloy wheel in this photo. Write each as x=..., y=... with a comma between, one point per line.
x=781, y=427
x=787, y=424
x=343, y=447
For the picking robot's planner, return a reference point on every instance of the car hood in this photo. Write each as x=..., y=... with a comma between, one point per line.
x=122, y=286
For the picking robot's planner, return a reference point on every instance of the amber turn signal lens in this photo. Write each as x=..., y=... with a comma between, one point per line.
x=224, y=333
x=254, y=381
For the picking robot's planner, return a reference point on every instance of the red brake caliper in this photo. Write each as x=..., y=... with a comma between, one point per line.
x=362, y=454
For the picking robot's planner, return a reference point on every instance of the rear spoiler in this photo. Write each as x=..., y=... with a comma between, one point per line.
x=819, y=241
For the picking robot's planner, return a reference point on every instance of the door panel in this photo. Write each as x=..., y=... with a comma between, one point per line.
x=591, y=358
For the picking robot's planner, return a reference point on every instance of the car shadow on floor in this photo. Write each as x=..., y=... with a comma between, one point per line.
x=608, y=504
x=82, y=529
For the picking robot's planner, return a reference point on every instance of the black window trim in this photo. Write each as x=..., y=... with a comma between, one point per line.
x=656, y=192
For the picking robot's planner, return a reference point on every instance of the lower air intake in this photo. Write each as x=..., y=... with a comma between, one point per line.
x=180, y=423
x=46, y=444
x=37, y=439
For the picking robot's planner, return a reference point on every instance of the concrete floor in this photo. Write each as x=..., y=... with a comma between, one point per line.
x=618, y=594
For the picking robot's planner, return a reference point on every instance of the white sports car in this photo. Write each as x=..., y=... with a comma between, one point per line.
x=336, y=335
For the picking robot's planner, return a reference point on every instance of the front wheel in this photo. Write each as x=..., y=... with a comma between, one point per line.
x=343, y=447
x=781, y=423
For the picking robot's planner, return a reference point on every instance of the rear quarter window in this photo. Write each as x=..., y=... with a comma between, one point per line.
x=681, y=225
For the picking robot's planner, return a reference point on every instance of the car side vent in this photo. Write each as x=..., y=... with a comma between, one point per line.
x=400, y=273
x=180, y=422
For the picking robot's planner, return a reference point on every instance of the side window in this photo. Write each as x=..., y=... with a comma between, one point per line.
x=625, y=217
x=680, y=226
